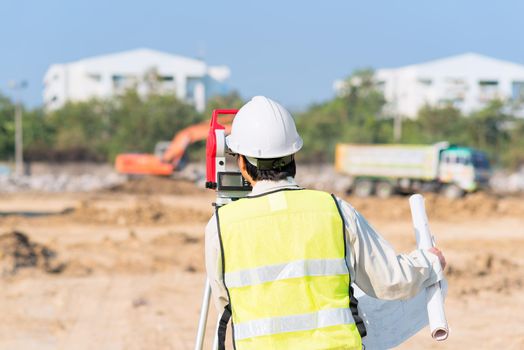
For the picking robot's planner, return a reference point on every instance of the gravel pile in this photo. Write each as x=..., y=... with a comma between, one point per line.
x=89, y=177
x=322, y=177
x=59, y=183
x=504, y=182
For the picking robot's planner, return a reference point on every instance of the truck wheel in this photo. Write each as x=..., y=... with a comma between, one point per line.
x=452, y=191
x=363, y=188
x=384, y=189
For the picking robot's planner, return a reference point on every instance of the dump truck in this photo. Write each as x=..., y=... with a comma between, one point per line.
x=385, y=169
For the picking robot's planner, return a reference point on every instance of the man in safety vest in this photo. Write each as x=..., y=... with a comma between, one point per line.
x=281, y=261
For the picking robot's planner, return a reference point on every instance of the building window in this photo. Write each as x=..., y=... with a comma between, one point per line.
x=119, y=81
x=190, y=87
x=484, y=83
x=167, y=78
x=455, y=81
x=118, y=77
x=517, y=91
x=455, y=91
x=457, y=102
x=381, y=86
x=488, y=90
x=425, y=81
x=95, y=77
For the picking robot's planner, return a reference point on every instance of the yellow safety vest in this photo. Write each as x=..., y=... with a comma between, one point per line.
x=283, y=259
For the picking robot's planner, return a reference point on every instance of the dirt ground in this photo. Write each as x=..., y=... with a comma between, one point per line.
x=123, y=268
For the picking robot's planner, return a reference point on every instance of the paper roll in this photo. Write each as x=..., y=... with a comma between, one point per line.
x=435, y=304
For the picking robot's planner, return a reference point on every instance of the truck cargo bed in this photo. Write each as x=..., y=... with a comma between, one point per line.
x=389, y=161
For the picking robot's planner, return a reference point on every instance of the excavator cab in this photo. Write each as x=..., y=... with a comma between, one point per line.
x=161, y=148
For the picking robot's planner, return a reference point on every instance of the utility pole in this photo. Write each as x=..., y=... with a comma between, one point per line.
x=19, y=142
x=397, y=127
x=397, y=117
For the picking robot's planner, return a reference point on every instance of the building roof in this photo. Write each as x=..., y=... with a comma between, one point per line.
x=140, y=60
x=464, y=64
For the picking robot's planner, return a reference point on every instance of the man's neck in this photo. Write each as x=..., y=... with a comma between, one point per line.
x=264, y=186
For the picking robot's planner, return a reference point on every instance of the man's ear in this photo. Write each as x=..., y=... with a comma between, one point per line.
x=241, y=164
x=243, y=169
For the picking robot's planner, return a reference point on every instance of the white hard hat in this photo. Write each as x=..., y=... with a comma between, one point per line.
x=264, y=129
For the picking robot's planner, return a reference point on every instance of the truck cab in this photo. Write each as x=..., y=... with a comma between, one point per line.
x=463, y=169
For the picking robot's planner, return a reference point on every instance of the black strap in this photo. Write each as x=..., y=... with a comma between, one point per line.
x=353, y=302
x=222, y=327
x=353, y=306
x=274, y=163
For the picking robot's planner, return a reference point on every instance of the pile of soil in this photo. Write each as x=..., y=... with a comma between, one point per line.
x=157, y=185
x=144, y=212
x=18, y=252
x=137, y=256
x=130, y=256
x=485, y=272
x=476, y=205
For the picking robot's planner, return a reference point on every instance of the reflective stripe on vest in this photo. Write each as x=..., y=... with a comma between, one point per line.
x=294, y=323
x=294, y=269
x=283, y=259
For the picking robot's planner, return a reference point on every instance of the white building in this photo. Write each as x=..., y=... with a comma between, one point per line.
x=467, y=81
x=104, y=76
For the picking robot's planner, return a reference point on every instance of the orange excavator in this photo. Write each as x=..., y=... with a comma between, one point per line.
x=168, y=155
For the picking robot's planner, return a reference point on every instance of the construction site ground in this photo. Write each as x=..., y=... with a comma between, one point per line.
x=124, y=268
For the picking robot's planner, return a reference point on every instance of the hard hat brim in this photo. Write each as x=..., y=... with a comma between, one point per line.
x=231, y=144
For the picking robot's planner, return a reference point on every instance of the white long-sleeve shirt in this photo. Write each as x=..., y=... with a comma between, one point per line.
x=374, y=266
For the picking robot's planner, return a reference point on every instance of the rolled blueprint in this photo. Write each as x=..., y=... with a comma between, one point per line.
x=435, y=304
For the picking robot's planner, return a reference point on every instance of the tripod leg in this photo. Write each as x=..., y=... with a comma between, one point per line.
x=201, y=333
x=215, y=340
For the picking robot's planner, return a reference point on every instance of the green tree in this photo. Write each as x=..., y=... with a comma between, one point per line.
x=232, y=100
x=100, y=129
x=488, y=130
x=38, y=135
x=320, y=127
x=513, y=157
x=131, y=122
x=137, y=124
x=365, y=103
x=80, y=130
x=355, y=116
x=7, y=128
x=434, y=124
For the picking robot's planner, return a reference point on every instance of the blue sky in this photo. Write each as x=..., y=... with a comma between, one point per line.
x=289, y=50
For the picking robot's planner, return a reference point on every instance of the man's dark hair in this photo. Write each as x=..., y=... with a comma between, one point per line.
x=281, y=173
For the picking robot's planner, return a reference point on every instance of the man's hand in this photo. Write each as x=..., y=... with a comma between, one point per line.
x=440, y=256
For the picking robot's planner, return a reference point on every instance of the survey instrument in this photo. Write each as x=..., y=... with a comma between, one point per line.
x=229, y=185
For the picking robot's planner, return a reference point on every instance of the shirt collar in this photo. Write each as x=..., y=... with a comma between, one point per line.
x=265, y=186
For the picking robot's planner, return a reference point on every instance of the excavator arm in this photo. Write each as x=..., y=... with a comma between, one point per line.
x=186, y=137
